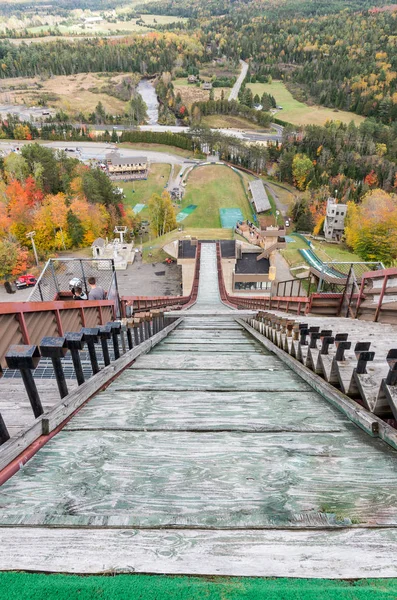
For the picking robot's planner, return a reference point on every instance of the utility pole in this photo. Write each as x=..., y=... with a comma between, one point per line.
x=31, y=235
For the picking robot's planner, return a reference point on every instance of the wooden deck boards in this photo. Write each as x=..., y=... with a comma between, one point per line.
x=208, y=479
x=338, y=554
x=208, y=411
x=206, y=462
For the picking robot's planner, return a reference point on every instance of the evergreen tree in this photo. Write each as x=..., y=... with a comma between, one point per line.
x=75, y=229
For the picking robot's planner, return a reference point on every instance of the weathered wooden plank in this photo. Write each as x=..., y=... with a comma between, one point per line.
x=207, y=348
x=209, y=380
x=181, y=361
x=244, y=341
x=210, y=334
x=176, y=478
x=342, y=554
x=199, y=411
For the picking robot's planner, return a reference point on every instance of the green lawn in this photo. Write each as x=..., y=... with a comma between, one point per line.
x=229, y=121
x=160, y=148
x=297, y=112
x=139, y=192
x=37, y=586
x=211, y=188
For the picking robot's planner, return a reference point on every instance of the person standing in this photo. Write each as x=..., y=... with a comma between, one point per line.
x=96, y=292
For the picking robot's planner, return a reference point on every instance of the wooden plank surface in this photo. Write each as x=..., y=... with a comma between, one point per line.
x=209, y=480
x=223, y=362
x=207, y=348
x=355, y=553
x=209, y=380
x=213, y=411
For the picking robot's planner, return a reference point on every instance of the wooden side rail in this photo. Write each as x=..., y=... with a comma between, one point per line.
x=29, y=322
x=342, y=355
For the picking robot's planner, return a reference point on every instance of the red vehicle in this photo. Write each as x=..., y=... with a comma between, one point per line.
x=25, y=281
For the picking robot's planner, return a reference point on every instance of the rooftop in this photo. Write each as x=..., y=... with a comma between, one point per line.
x=259, y=196
x=116, y=159
x=248, y=264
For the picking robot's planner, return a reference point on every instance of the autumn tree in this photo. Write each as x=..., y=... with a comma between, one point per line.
x=371, y=227
x=162, y=214
x=301, y=169
x=13, y=258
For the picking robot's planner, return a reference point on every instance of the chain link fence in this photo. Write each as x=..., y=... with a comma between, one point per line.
x=61, y=275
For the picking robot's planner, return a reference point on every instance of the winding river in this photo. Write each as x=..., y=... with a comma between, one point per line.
x=148, y=93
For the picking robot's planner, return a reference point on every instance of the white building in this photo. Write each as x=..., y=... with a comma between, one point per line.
x=334, y=224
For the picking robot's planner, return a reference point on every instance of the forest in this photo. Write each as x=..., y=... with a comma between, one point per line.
x=344, y=59
x=67, y=203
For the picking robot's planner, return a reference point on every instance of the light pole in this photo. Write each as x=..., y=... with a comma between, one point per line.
x=31, y=235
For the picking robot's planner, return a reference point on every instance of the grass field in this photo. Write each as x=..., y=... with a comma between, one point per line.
x=161, y=148
x=211, y=188
x=231, y=121
x=191, y=93
x=72, y=93
x=78, y=28
x=37, y=586
x=297, y=112
x=139, y=192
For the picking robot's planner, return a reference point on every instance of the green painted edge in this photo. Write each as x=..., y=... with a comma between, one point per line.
x=37, y=586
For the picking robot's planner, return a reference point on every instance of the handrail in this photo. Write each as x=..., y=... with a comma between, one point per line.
x=384, y=275
x=28, y=322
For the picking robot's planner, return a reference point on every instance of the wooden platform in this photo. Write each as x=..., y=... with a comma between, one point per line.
x=207, y=456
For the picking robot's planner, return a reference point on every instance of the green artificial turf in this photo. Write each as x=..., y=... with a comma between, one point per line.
x=31, y=586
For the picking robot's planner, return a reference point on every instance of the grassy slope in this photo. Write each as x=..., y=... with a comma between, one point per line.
x=325, y=251
x=158, y=177
x=160, y=148
x=299, y=113
x=229, y=121
x=33, y=586
x=212, y=188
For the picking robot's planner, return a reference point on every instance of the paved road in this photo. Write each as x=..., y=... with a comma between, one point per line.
x=236, y=88
x=98, y=151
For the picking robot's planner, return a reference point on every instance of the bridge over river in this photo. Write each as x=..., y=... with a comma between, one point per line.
x=208, y=455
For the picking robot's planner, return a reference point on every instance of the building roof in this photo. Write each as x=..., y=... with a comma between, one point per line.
x=228, y=248
x=186, y=249
x=248, y=264
x=259, y=196
x=116, y=159
x=98, y=243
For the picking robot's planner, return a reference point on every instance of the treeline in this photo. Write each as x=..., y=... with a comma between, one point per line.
x=348, y=159
x=345, y=60
x=146, y=55
x=228, y=107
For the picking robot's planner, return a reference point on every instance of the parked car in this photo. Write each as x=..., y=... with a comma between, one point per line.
x=25, y=281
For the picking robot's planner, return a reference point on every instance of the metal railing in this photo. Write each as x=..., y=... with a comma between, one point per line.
x=28, y=322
